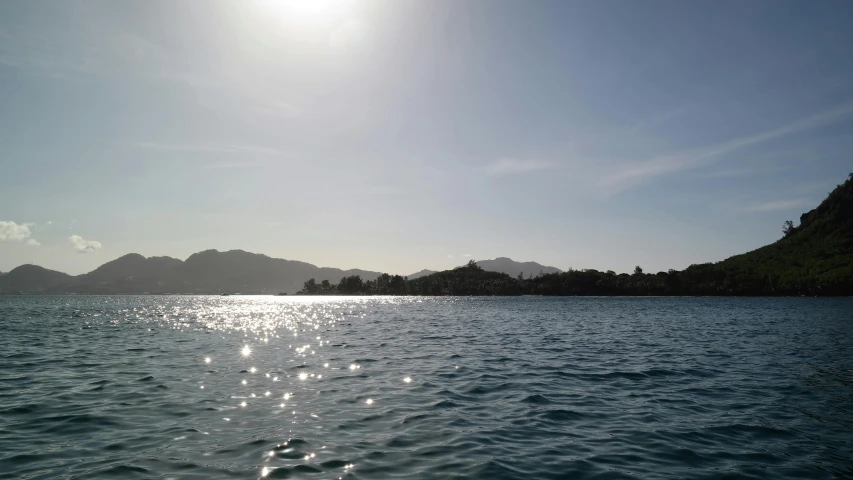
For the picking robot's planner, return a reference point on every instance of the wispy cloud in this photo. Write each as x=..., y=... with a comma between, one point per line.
x=466, y=255
x=16, y=232
x=109, y=52
x=513, y=166
x=661, y=118
x=730, y=173
x=33, y=242
x=59, y=55
x=81, y=245
x=775, y=205
x=635, y=173
x=279, y=109
x=225, y=165
x=214, y=149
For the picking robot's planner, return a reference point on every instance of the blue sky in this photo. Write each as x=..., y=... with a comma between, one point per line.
x=396, y=136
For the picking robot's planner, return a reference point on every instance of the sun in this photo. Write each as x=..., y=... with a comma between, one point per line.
x=310, y=14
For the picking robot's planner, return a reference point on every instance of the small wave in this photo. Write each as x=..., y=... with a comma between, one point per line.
x=561, y=415
x=536, y=399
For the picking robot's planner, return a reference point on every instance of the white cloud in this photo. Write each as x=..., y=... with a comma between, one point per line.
x=511, y=166
x=81, y=245
x=776, y=205
x=33, y=242
x=635, y=173
x=14, y=232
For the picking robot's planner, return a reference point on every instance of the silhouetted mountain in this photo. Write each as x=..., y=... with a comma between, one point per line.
x=422, y=273
x=209, y=271
x=131, y=273
x=31, y=279
x=513, y=268
x=212, y=271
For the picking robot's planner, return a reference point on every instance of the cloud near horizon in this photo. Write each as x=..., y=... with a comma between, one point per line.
x=16, y=232
x=81, y=245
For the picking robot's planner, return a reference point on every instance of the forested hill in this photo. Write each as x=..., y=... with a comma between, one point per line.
x=813, y=258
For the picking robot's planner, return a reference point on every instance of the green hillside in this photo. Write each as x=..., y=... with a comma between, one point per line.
x=814, y=258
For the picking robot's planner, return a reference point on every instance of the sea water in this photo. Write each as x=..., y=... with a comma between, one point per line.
x=196, y=387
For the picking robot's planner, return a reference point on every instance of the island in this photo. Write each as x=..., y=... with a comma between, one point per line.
x=814, y=258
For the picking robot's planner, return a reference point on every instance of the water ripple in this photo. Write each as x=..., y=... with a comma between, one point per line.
x=499, y=388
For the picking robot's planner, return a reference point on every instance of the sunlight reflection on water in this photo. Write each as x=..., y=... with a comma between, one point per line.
x=268, y=319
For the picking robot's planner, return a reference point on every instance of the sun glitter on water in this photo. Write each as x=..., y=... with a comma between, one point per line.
x=246, y=351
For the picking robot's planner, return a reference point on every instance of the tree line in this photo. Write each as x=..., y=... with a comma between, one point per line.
x=706, y=279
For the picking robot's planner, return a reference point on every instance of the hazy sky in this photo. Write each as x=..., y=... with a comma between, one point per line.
x=392, y=135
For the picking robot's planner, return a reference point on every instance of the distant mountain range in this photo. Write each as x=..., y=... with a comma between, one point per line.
x=422, y=273
x=207, y=272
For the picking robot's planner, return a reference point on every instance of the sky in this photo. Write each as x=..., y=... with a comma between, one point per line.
x=401, y=135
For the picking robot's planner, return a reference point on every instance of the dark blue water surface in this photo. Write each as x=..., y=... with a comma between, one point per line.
x=376, y=388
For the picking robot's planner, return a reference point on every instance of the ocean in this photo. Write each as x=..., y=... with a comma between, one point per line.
x=241, y=387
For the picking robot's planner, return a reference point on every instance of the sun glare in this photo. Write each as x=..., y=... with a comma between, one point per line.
x=310, y=13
